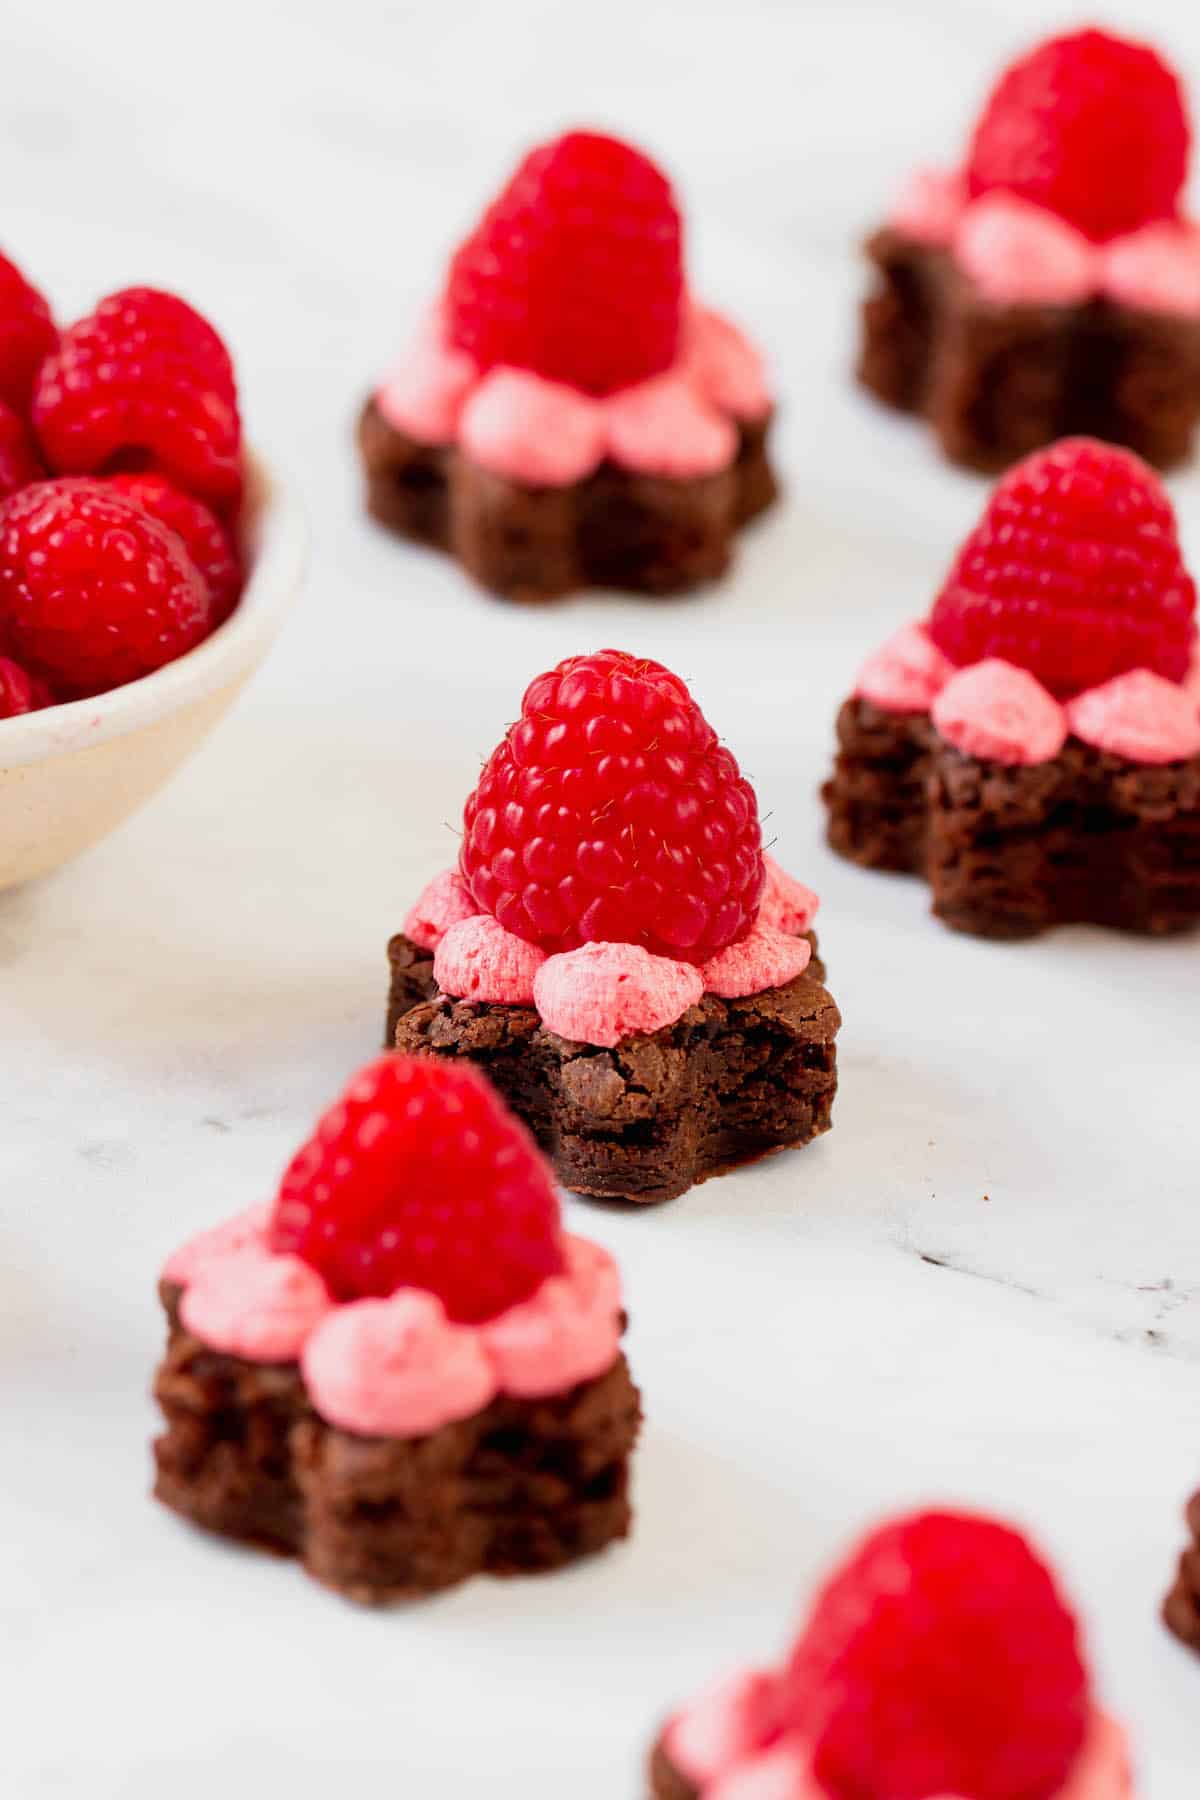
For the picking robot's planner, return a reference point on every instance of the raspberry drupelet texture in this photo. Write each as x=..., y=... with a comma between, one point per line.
x=93, y=592
x=611, y=813
x=27, y=336
x=940, y=1659
x=19, y=692
x=419, y=1177
x=205, y=537
x=576, y=269
x=1075, y=573
x=1090, y=126
x=143, y=382
x=20, y=462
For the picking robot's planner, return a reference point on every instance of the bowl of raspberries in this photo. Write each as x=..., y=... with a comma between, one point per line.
x=146, y=560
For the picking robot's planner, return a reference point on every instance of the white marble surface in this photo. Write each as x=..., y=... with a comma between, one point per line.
x=983, y=1285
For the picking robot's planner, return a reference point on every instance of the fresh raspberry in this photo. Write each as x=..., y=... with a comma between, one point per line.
x=27, y=336
x=419, y=1177
x=93, y=592
x=143, y=383
x=1074, y=573
x=19, y=691
x=611, y=813
x=939, y=1660
x=19, y=460
x=205, y=537
x=1093, y=127
x=576, y=269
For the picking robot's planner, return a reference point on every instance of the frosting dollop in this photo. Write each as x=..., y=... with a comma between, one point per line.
x=1140, y=716
x=443, y=902
x=540, y=432
x=477, y=959
x=545, y=434
x=929, y=205
x=999, y=713
x=666, y=427
x=765, y=958
x=1157, y=268
x=252, y=1303
x=785, y=901
x=249, y=1227
x=601, y=993
x=906, y=674
x=396, y=1367
x=1018, y=253
x=723, y=1725
x=565, y=1332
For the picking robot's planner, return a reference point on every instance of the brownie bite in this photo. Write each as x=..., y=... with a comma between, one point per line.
x=354, y=1380
x=1181, y=1609
x=1033, y=748
x=615, y=950
x=567, y=416
x=1049, y=287
x=939, y=1658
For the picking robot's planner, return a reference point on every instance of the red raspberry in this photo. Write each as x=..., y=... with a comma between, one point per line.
x=20, y=692
x=27, y=335
x=143, y=382
x=575, y=270
x=419, y=1177
x=940, y=1659
x=1093, y=127
x=94, y=592
x=205, y=537
x=610, y=812
x=19, y=460
x=1074, y=572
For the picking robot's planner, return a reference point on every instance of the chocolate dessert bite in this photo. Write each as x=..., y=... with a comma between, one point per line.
x=939, y=1659
x=616, y=951
x=568, y=416
x=1049, y=286
x=1181, y=1609
x=403, y=1371
x=1033, y=747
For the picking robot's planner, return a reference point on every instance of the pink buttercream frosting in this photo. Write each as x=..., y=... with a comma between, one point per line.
x=1139, y=716
x=425, y=392
x=906, y=674
x=1003, y=714
x=443, y=903
x=1018, y=253
x=667, y=427
x=395, y=1367
x=255, y=1304
x=1157, y=268
x=929, y=205
x=723, y=1744
x=565, y=1333
x=477, y=959
x=785, y=901
x=765, y=958
x=604, y=992
x=601, y=993
x=1000, y=713
x=545, y=434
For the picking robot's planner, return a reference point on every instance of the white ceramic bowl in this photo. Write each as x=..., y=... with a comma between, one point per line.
x=70, y=774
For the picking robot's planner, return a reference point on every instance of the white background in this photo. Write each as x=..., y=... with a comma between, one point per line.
x=178, y=1006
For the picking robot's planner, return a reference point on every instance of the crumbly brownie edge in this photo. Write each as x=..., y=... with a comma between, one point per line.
x=666, y=1782
x=730, y=1082
x=522, y=1487
x=1181, y=1609
x=1010, y=851
x=996, y=382
x=617, y=528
